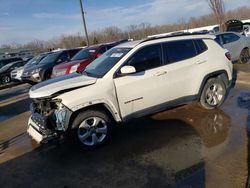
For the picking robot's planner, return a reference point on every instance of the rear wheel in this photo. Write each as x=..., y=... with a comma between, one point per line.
x=6, y=80
x=92, y=128
x=213, y=93
x=244, y=56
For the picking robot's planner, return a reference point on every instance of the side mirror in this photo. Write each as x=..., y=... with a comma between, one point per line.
x=127, y=70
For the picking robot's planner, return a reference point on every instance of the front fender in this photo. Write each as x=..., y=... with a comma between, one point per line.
x=109, y=106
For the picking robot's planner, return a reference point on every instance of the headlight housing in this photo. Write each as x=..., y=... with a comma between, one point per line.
x=74, y=68
x=35, y=71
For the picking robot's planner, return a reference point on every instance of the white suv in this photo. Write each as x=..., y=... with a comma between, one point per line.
x=129, y=81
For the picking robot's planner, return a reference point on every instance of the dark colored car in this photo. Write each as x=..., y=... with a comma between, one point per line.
x=5, y=71
x=83, y=58
x=37, y=72
x=4, y=62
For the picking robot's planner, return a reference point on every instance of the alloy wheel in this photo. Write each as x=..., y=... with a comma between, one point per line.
x=214, y=94
x=92, y=131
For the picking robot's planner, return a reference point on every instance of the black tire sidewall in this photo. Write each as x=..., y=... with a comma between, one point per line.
x=243, y=51
x=3, y=78
x=208, y=84
x=85, y=115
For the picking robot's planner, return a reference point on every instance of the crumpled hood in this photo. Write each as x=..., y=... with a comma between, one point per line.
x=59, y=84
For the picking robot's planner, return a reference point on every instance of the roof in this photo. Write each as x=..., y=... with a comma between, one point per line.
x=179, y=36
x=131, y=44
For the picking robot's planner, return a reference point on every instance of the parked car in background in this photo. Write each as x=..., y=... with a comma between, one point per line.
x=83, y=58
x=5, y=71
x=16, y=74
x=131, y=80
x=237, y=44
x=37, y=72
x=4, y=62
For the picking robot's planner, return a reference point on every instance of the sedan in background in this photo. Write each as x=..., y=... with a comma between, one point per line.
x=83, y=58
x=4, y=62
x=237, y=44
x=5, y=71
x=41, y=71
x=16, y=74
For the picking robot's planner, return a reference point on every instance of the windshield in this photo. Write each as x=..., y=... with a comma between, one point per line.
x=50, y=58
x=103, y=64
x=36, y=59
x=83, y=54
x=6, y=67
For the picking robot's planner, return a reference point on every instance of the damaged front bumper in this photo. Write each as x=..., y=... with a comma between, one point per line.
x=43, y=128
x=39, y=133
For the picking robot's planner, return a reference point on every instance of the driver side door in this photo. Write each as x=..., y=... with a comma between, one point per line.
x=144, y=91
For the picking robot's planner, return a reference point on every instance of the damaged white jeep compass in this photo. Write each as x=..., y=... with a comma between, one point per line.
x=129, y=81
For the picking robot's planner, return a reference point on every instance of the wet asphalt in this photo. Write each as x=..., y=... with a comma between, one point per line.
x=183, y=147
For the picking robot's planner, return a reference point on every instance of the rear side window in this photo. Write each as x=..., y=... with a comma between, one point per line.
x=146, y=58
x=230, y=37
x=179, y=50
x=219, y=40
x=200, y=46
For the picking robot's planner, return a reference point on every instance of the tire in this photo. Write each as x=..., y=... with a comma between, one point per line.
x=244, y=56
x=213, y=93
x=6, y=80
x=92, y=129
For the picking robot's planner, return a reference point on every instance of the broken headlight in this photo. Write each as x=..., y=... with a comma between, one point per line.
x=62, y=115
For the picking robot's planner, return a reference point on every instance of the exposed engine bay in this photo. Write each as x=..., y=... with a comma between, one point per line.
x=50, y=118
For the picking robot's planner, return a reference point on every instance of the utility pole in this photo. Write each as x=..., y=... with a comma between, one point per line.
x=84, y=23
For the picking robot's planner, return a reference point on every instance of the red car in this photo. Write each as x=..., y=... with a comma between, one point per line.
x=83, y=58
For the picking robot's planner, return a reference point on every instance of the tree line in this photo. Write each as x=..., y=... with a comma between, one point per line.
x=138, y=31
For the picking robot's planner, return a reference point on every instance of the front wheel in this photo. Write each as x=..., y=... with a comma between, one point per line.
x=6, y=80
x=213, y=93
x=92, y=128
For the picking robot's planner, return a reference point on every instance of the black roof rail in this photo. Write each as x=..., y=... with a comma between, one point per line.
x=176, y=34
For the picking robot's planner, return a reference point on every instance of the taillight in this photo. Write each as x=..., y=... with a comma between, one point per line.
x=228, y=55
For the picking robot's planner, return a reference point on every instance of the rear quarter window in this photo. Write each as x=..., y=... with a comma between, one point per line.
x=200, y=46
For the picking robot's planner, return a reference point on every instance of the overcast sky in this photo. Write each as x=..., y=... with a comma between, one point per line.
x=22, y=21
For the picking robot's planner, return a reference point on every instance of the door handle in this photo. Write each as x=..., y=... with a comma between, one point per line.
x=160, y=73
x=201, y=62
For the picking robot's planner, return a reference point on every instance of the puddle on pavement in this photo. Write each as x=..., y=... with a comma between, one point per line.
x=3, y=117
x=185, y=144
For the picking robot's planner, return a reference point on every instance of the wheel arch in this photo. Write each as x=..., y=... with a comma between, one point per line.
x=220, y=74
x=98, y=107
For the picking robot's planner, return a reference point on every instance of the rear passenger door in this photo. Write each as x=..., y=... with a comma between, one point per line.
x=184, y=59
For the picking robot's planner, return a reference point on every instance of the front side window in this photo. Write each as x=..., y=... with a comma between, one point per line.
x=179, y=50
x=63, y=57
x=73, y=52
x=102, y=50
x=228, y=38
x=147, y=58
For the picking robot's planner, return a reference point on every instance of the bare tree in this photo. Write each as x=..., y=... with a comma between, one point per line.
x=218, y=9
